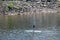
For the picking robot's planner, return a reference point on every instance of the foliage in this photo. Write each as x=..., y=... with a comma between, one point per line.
x=10, y=0
x=10, y=6
x=3, y=0
x=58, y=4
x=14, y=0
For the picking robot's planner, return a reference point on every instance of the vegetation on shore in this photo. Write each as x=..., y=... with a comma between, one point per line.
x=20, y=7
x=10, y=6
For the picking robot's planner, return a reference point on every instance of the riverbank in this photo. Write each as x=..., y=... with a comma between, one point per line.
x=37, y=11
x=20, y=8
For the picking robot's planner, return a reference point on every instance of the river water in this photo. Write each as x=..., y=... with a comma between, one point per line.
x=20, y=27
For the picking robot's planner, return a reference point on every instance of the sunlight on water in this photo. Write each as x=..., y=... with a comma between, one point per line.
x=32, y=31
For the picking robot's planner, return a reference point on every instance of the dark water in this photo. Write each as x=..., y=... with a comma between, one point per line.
x=14, y=27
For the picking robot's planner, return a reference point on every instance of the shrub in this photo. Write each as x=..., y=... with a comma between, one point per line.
x=3, y=0
x=10, y=6
x=58, y=4
x=10, y=0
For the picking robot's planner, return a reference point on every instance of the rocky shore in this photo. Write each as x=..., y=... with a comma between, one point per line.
x=20, y=7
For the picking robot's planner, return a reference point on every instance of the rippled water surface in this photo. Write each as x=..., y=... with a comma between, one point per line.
x=47, y=27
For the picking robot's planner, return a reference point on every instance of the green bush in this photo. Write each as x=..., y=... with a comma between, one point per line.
x=3, y=0
x=58, y=4
x=10, y=0
x=14, y=0
x=10, y=6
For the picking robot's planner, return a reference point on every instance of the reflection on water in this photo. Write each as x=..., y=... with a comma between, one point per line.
x=13, y=27
x=15, y=22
